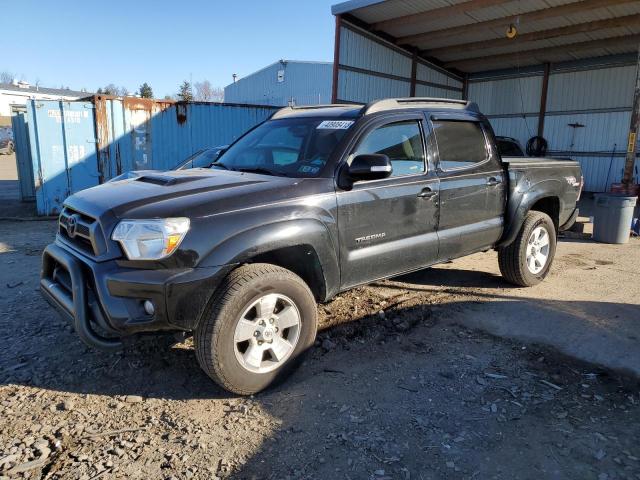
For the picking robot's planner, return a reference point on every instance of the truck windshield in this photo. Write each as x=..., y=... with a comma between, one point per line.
x=293, y=147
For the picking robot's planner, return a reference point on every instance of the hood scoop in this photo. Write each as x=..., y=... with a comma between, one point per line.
x=165, y=180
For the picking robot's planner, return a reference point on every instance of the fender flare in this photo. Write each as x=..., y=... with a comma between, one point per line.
x=523, y=200
x=247, y=244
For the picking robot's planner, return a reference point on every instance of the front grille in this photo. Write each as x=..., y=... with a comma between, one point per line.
x=81, y=231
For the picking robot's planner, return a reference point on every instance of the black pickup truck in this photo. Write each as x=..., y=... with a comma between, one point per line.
x=312, y=202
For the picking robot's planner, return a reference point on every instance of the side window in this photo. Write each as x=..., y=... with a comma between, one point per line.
x=401, y=142
x=460, y=144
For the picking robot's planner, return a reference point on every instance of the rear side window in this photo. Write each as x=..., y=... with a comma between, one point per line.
x=401, y=142
x=460, y=144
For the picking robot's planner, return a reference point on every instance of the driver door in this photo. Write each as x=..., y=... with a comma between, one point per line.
x=388, y=226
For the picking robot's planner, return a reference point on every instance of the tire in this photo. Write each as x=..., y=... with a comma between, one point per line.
x=244, y=293
x=513, y=259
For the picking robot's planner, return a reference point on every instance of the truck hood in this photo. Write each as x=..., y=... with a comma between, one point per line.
x=193, y=193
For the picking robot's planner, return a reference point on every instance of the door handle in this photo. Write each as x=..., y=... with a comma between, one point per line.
x=427, y=193
x=493, y=181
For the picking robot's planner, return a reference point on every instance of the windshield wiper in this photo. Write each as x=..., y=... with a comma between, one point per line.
x=220, y=164
x=264, y=171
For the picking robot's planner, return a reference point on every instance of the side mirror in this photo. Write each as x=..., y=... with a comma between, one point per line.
x=373, y=166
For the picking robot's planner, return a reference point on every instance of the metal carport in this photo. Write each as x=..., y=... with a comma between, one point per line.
x=566, y=71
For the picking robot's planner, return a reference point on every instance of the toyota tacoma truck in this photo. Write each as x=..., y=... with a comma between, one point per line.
x=312, y=202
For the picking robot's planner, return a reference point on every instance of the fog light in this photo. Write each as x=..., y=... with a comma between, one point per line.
x=148, y=307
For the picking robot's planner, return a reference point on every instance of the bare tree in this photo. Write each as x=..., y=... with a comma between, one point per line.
x=111, y=89
x=204, y=92
x=218, y=94
x=6, y=76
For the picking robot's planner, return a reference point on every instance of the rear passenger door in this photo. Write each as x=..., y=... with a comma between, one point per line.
x=472, y=186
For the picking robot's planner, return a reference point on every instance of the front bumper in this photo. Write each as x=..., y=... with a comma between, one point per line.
x=105, y=301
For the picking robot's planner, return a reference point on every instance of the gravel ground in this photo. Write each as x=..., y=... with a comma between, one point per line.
x=395, y=388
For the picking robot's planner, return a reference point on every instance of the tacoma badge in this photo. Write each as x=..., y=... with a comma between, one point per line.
x=373, y=236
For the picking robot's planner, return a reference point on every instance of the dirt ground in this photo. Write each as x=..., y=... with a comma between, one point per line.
x=445, y=373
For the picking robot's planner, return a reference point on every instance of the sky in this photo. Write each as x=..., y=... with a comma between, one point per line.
x=89, y=44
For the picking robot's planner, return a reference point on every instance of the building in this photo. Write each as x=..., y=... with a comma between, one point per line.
x=282, y=83
x=563, y=71
x=14, y=96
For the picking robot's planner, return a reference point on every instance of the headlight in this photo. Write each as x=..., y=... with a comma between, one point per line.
x=150, y=239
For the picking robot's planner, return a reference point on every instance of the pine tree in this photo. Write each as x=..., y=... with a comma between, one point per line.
x=185, y=94
x=145, y=91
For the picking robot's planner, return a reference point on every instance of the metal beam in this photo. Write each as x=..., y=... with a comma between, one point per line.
x=465, y=87
x=545, y=13
x=632, y=139
x=543, y=99
x=435, y=14
x=336, y=60
x=542, y=53
x=414, y=69
x=628, y=20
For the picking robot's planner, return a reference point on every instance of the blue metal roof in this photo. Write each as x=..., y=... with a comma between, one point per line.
x=350, y=5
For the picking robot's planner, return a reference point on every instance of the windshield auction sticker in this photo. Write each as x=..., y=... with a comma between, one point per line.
x=335, y=124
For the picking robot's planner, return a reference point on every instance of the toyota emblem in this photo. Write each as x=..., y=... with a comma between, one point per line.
x=72, y=224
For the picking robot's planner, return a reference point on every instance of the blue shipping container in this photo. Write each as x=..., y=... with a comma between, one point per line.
x=76, y=145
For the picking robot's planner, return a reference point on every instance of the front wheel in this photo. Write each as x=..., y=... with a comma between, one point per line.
x=258, y=325
x=527, y=260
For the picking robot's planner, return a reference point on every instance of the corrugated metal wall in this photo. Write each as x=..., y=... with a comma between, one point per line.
x=507, y=96
x=599, y=88
x=154, y=134
x=512, y=104
x=76, y=145
x=362, y=88
x=370, y=68
x=359, y=51
x=305, y=83
x=594, y=96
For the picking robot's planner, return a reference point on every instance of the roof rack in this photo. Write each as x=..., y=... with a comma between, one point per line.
x=287, y=110
x=387, y=104
x=417, y=102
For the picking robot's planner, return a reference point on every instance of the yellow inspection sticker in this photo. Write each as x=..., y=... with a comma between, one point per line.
x=632, y=141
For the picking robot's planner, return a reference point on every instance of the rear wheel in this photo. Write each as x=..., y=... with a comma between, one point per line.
x=527, y=260
x=256, y=329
